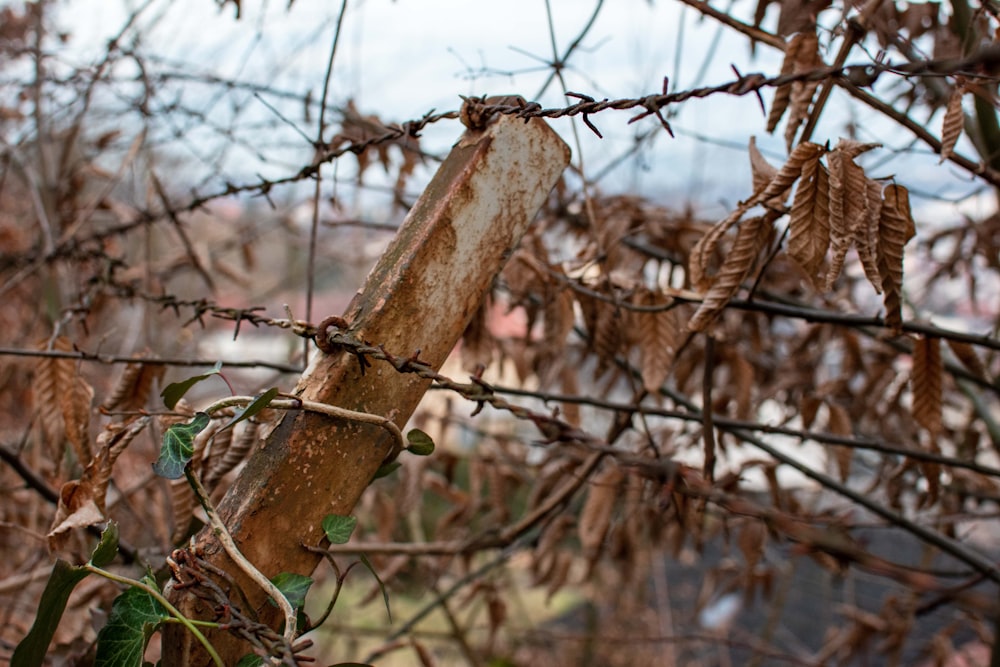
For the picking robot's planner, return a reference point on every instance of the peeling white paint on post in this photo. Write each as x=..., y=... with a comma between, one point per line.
x=420, y=295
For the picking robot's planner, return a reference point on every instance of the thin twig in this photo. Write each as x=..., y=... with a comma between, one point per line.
x=321, y=408
x=314, y=225
x=707, y=425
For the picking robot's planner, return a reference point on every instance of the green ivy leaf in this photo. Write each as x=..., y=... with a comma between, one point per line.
x=107, y=547
x=175, y=391
x=261, y=401
x=420, y=443
x=250, y=660
x=386, y=469
x=32, y=649
x=293, y=586
x=178, y=446
x=338, y=528
x=135, y=616
x=385, y=593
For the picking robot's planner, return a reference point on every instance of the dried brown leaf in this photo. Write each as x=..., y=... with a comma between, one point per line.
x=559, y=574
x=499, y=492
x=75, y=405
x=570, y=387
x=477, y=341
x=607, y=336
x=751, y=542
x=124, y=388
x=701, y=254
x=866, y=234
x=926, y=383
x=839, y=423
x=80, y=505
x=808, y=407
x=182, y=502
x=737, y=266
x=896, y=228
x=595, y=517
x=741, y=373
x=774, y=190
x=848, y=202
x=789, y=172
x=218, y=447
x=239, y=449
x=62, y=401
x=762, y=171
x=967, y=355
x=954, y=120
x=82, y=501
x=782, y=95
x=801, y=101
x=658, y=339
x=134, y=386
x=559, y=320
x=809, y=224
x=552, y=535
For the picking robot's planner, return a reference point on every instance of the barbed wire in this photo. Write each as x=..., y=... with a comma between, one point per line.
x=984, y=63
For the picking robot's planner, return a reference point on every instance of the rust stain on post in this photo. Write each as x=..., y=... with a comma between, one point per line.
x=420, y=295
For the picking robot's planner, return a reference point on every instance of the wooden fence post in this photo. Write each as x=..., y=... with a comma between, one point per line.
x=421, y=295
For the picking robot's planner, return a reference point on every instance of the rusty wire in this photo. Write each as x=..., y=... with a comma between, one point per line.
x=983, y=63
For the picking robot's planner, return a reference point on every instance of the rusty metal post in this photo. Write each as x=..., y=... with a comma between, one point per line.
x=421, y=295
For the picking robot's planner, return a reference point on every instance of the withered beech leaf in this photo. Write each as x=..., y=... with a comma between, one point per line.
x=238, y=450
x=558, y=319
x=807, y=57
x=839, y=423
x=751, y=542
x=62, y=400
x=75, y=405
x=782, y=94
x=737, y=266
x=801, y=101
x=182, y=502
x=926, y=383
x=568, y=378
x=741, y=376
x=808, y=407
x=809, y=223
x=134, y=386
x=848, y=202
x=703, y=250
x=595, y=517
x=953, y=122
x=658, y=333
x=559, y=574
x=701, y=255
x=789, y=172
x=82, y=501
x=967, y=355
x=896, y=228
x=80, y=505
x=761, y=171
x=477, y=341
x=866, y=233
x=217, y=449
x=607, y=335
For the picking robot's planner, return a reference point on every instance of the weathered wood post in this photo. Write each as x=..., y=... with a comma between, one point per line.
x=421, y=295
